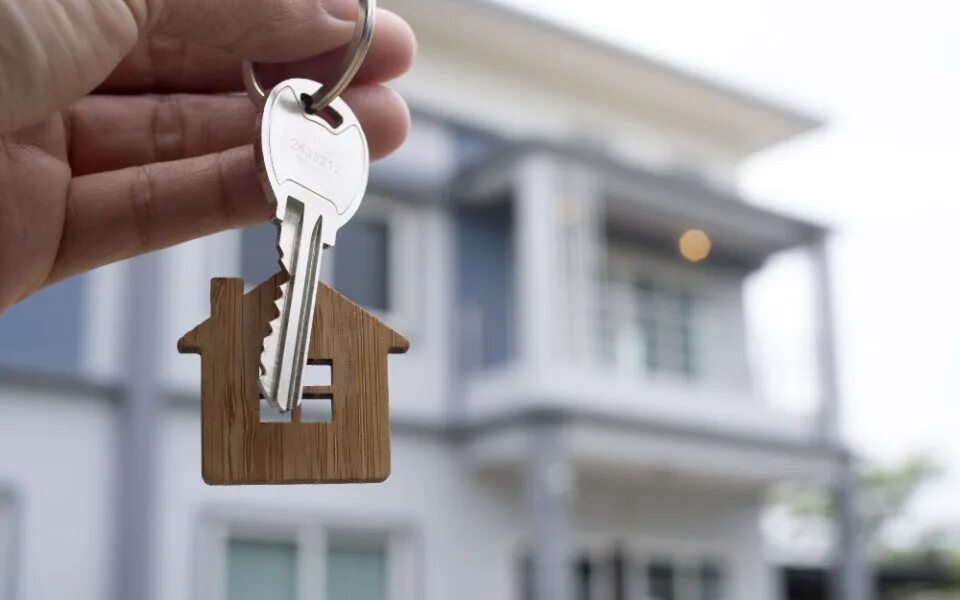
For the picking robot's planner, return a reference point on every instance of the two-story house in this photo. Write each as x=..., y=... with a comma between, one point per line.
x=578, y=417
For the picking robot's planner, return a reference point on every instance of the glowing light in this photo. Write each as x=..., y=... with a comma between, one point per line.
x=695, y=245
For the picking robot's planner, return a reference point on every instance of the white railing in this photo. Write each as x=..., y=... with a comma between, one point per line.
x=700, y=340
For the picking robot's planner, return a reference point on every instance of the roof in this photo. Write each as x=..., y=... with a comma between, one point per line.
x=192, y=342
x=657, y=207
x=554, y=56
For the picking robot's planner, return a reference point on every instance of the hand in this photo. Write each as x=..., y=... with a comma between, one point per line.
x=159, y=151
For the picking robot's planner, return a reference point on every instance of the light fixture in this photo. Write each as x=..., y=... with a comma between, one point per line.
x=695, y=245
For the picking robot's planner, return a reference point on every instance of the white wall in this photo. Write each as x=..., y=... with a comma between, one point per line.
x=56, y=456
x=457, y=528
x=464, y=529
x=424, y=272
x=469, y=88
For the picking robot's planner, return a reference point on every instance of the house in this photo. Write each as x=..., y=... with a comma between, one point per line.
x=238, y=447
x=579, y=396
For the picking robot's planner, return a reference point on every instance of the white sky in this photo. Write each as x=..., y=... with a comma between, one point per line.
x=885, y=172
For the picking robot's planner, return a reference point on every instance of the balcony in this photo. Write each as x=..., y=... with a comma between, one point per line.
x=581, y=311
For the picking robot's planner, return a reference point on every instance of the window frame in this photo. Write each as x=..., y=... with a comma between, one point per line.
x=628, y=267
x=310, y=533
x=639, y=552
x=404, y=281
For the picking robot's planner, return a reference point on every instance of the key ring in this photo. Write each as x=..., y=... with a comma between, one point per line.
x=356, y=53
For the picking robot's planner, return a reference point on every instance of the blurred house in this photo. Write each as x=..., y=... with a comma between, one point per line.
x=579, y=416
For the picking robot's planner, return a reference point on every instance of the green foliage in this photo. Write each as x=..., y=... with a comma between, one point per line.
x=885, y=494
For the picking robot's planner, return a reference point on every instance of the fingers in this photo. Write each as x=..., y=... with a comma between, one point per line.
x=383, y=114
x=57, y=52
x=276, y=31
x=116, y=215
x=164, y=64
x=107, y=133
x=391, y=55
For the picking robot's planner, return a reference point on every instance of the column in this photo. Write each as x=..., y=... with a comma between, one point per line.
x=583, y=239
x=853, y=577
x=828, y=416
x=139, y=422
x=549, y=489
x=535, y=209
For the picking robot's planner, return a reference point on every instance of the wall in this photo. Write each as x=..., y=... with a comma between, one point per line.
x=470, y=88
x=458, y=526
x=58, y=450
x=464, y=527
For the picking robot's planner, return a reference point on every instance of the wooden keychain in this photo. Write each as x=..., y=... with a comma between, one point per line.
x=314, y=165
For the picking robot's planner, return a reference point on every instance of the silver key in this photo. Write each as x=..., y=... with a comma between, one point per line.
x=317, y=174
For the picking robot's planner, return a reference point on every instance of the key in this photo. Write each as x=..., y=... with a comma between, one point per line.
x=316, y=173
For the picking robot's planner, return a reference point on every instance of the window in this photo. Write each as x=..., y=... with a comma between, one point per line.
x=258, y=253
x=619, y=574
x=361, y=265
x=257, y=570
x=356, y=571
x=650, y=328
x=474, y=146
x=485, y=288
x=44, y=332
x=583, y=579
x=360, y=260
x=303, y=562
x=711, y=582
x=662, y=581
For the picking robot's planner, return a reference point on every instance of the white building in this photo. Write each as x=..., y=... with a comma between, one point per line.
x=579, y=399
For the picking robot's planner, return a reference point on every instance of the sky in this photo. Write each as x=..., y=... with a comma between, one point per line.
x=884, y=173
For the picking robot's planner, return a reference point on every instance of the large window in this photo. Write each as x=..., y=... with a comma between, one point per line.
x=258, y=570
x=625, y=575
x=485, y=287
x=310, y=564
x=44, y=332
x=359, y=263
x=356, y=571
x=662, y=580
x=258, y=253
x=361, y=267
x=649, y=327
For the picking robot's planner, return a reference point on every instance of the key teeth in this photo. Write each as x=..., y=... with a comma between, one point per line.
x=270, y=346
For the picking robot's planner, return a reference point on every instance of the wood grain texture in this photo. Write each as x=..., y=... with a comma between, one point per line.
x=237, y=447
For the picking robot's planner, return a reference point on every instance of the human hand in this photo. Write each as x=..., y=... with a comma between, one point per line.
x=119, y=132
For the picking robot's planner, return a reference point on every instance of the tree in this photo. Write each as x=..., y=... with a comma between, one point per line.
x=886, y=491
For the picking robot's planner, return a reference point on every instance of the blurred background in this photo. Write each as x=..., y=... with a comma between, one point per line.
x=680, y=280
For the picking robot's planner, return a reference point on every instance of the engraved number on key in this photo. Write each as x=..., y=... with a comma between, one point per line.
x=317, y=174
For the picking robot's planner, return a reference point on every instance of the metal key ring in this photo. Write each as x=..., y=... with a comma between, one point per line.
x=356, y=53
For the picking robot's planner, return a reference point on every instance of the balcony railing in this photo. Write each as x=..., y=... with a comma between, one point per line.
x=702, y=342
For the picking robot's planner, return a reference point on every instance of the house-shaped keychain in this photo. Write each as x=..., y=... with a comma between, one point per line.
x=240, y=449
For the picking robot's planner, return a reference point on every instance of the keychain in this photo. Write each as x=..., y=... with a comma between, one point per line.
x=314, y=165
